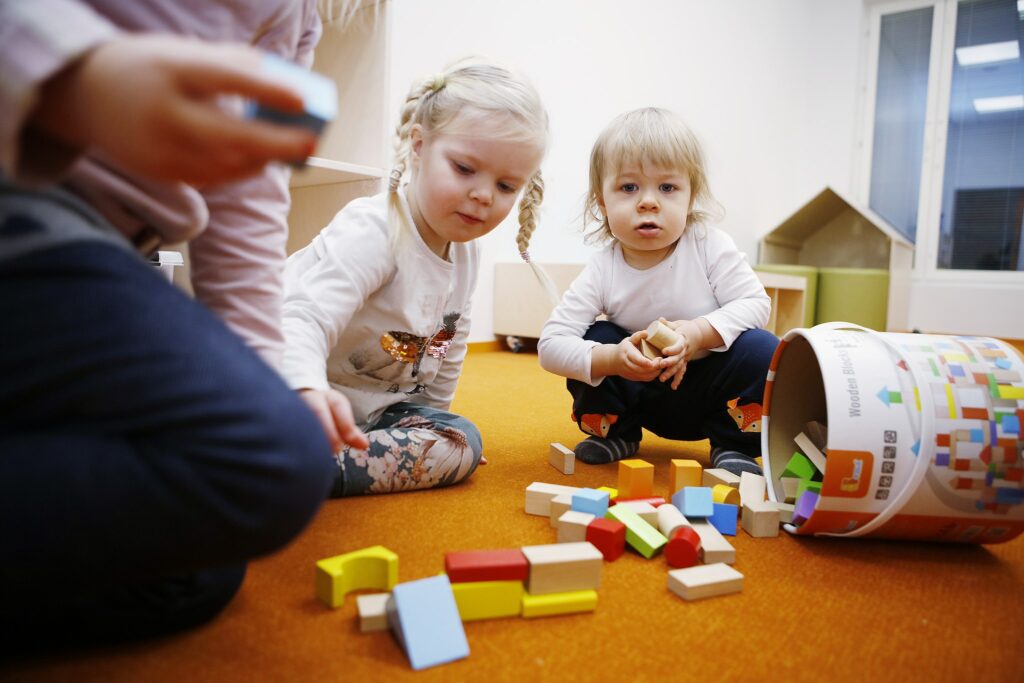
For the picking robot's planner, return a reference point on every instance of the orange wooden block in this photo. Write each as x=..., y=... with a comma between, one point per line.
x=684, y=473
x=636, y=479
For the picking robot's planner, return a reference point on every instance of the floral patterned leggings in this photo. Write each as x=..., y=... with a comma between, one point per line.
x=412, y=446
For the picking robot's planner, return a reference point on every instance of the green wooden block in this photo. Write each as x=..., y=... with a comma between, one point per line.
x=642, y=536
x=800, y=466
x=807, y=485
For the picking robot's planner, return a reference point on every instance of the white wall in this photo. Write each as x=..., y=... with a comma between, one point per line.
x=769, y=86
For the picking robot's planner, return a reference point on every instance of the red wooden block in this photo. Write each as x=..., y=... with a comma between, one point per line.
x=486, y=565
x=654, y=502
x=608, y=536
x=683, y=549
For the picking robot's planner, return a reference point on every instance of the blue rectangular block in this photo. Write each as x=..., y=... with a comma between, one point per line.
x=319, y=96
x=1011, y=424
x=724, y=518
x=591, y=501
x=425, y=620
x=694, y=501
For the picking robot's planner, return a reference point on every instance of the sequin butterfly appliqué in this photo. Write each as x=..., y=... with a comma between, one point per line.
x=406, y=347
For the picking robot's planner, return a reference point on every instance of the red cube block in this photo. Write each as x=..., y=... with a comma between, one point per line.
x=486, y=565
x=608, y=536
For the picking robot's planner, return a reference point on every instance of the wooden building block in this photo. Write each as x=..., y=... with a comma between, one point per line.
x=789, y=487
x=539, y=495
x=817, y=433
x=591, y=500
x=612, y=493
x=799, y=466
x=608, y=536
x=488, y=599
x=713, y=543
x=724, y=518
x=705, y=581
x=562, y=458
x=694, y=501
x=636, y=479
x=720, y=493
x=560, y=504
x=561, y=567
x=684, y=473
x=572, y=526
x=649, y=351
x=570, y=602
x=807, y=485
x=373, y=567
x=670, y=519
x=714, y=477
x=762, y=520
x=486, y=565
x=785, y=512
x=646, y=511
x=660, y=335
x=816, y=457
x=805, y=505
x=653, y=501
x=753, y=488
x=683, y=548
x=373, y=611
x=425, y=621
x=640, y=535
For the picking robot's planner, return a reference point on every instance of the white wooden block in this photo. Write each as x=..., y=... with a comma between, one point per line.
x=811, y=451
x=560, y=504
x=761, y=521
x=785, y=512
x=572, y=526
x=817, y=433
x=539, y=495
x=714, y=476
x=562, y=458
x=752, y=488
x=561, y=567
x=789, y=488
x=373, y=613
x=705, y=581
x=670, y=519
x=647, y=512
x=713, y=543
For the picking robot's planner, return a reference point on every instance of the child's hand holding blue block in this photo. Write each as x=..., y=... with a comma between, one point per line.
x=319, y=96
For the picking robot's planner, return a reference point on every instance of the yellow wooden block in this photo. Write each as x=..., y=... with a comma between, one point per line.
x=684, y=473
x=488, y=599
x=1006, y=391
x=636, y=479
x=373, y=567
x=612, y=493
x=551, y=604
x=722, y=493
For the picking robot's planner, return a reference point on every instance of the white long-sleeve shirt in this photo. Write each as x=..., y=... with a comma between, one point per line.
x=381, y=324
x=704, y=277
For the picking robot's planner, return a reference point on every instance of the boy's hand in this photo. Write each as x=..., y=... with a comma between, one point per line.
x=677, y=355
x=150, y=102
x=625, y=360
x=335, y=415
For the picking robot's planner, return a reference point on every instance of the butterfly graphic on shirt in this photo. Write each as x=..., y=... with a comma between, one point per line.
x=406, y=347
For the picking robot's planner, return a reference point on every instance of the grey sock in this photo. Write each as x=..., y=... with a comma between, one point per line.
x=733, y=461
x=597, y=451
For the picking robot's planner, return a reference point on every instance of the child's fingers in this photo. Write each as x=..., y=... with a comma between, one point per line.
x=680, y=371
x=345, y=423
x=318, y=405
x=226, y=138
x=236, y=69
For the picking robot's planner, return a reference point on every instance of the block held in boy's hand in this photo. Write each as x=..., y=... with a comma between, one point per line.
x=319, y=97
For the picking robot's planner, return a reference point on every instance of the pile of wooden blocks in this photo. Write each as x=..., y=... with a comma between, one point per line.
x=802, y=477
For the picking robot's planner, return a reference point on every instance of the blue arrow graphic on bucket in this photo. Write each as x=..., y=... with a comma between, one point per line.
x=890, y=397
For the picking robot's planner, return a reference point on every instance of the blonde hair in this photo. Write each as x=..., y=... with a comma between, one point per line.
x=469, y=92
x=647, y=136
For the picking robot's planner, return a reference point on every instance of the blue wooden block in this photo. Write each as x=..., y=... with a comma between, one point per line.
x=319, y=96
x=425, y=621
x=724, y=518
x=694, y=501
x=590, y=500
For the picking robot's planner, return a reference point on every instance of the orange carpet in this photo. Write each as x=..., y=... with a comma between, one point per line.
x=810, y=610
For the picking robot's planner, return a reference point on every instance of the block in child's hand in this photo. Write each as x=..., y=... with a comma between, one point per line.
x=319, y=96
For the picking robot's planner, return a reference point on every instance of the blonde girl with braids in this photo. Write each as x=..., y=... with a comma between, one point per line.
x=376, y=308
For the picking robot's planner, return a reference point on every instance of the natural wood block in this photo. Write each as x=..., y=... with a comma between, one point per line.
x=562, y=458
x=785, y=512
x=647, y=512
x=713, y=477
x=660, y=335
x=373, y=612
x=705, y=581
x=561, y=567
x=636, y=479
x=811, y=451
x=789, y=488
x=684, y=473
x=649, y=351
x=572, y=526
x=670, y=519
x=752, y=488
x=761, y=521
x=817, y=433
x=539, y=495
x=716, y=547
x=560, y=504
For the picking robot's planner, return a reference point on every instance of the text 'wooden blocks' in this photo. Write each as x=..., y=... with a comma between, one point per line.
x=425, y=621
x=373, y=567
x=593, y=501
x=724, y=518
x=572, y=526
x=640, y=535
x=561, y=567
x=694, y=501
x=540, y=494
x=683, y=549
x=488, y=599
x=552, y=604
x=684, y=473
x=713, y=477
x=636, y=479
x=608, y=536
x=562, y=458
x=670, y=519
x=705, y=581
x=761, y=520
x=486, y=565
x=721, y=493
x=373, y=612
x=715, y=547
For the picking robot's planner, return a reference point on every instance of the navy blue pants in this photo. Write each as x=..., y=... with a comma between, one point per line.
x=718, y=399
x=145, y=452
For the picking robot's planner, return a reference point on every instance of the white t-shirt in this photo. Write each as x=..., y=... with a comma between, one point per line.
x=706, y=276
x=379, y=324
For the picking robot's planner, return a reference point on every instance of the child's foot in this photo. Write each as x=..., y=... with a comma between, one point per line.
x=597, y=451
x=733, y=461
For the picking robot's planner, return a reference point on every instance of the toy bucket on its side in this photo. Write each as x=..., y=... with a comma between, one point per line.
x=924, y=432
